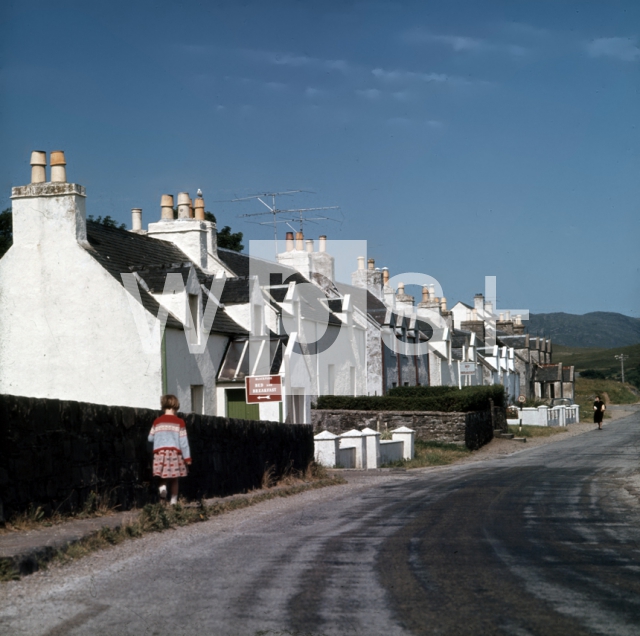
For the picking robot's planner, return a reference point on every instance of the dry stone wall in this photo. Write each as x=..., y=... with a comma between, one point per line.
x=55, y=453
x=472, y=429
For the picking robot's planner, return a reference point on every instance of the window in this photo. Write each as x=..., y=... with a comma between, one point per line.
x=197, y=398
x=194, y=318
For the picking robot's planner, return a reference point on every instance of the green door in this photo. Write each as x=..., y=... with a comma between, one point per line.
x=238, y=408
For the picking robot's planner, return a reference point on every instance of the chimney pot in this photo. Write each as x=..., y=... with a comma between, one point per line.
x=322, y=243
x=38, y=166
x=385, y=275
x=184, y=205
x=58, y=167
x=425, y=294
x=166, y=204
x=299, y=241
x=371, y=264
x=289, y=241
x=360, y=263
x=501, y=317
x=310, y=245
x=443, y=304
x=136, y=219
x=199, y=209
x=400, y=289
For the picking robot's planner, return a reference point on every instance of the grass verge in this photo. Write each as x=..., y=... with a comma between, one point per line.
x=537, y=431
x=432, y=454
x=609, y=390
x=159, y=517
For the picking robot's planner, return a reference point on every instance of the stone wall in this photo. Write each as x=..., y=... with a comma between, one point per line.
x=55, y=453
x=472, y=429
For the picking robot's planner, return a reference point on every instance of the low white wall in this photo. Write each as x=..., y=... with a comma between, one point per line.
x=346, y=457
x=545, y=416
x=391, y=451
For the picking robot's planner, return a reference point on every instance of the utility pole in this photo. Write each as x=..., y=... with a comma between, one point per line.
x=622, y=357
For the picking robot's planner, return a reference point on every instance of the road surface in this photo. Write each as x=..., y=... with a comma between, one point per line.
x=546, y=541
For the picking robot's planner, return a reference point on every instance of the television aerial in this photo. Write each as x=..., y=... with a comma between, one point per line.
x=290, y=215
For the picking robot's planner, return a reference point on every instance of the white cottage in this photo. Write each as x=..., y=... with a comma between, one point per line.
x=78, y=319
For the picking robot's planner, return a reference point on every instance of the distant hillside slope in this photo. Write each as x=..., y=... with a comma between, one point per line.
x=600, y=329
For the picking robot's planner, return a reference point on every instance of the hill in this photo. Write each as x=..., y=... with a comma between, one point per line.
x=600, y=329
x=602, y=361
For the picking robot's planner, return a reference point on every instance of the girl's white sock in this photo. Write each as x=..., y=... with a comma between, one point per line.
x=174, y=501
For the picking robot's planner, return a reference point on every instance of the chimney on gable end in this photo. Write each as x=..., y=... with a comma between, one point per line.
x=49, y=213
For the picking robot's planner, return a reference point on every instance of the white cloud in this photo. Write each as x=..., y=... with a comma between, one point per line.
x=298, y=61
x=370, y=93
x=462, y=43
x=312, y=92
x=625, y=49
x=399, y=75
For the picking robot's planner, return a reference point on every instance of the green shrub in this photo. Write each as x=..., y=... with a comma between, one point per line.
x=593, y=374
x=472, y=398
x=421, y=391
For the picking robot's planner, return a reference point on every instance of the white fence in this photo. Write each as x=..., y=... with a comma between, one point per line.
x=545, y=416
x=363, y=449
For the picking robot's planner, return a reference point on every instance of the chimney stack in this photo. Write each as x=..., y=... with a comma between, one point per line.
x=361, y=263
x=166, y=204
x=289, y=241
x=58, y=167
x=400, y=289
x=199, y=209
x=371, y=264
x=184, y=205
x=38, y=166
x=299, y=241
x=322, y=243
x=310, y=246
x=136, y=219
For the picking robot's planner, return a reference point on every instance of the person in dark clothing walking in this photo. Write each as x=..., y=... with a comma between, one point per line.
x=598, y=411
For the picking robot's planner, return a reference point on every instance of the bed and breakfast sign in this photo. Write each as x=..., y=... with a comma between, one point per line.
x=263, y=388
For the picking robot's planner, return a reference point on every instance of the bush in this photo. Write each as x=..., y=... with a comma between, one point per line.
x=593, y=374
x=472, y=398
x=421, y=391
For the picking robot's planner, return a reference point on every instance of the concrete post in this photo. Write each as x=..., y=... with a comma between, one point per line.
x=372, y=443
x=406, y=436
x=355, y=439
x=325, y=449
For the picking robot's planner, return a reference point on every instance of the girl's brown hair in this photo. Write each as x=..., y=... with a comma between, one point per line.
x=169, y=402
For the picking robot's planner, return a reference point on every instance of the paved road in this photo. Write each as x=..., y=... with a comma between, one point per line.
x=546, y=541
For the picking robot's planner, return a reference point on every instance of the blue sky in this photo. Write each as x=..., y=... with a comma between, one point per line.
x=460, y=139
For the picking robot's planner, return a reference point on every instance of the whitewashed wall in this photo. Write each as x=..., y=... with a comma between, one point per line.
x=66, y=327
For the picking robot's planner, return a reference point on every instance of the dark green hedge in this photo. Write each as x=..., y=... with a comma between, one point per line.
x=472, y=398
x=55, y=453
x=421, y=391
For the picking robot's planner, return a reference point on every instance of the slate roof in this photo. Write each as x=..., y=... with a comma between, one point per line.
x=459, y=338
x=517, y=342
x=547, y=373
x=120, y=251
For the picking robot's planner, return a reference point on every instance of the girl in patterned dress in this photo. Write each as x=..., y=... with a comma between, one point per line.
x=171, y=453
